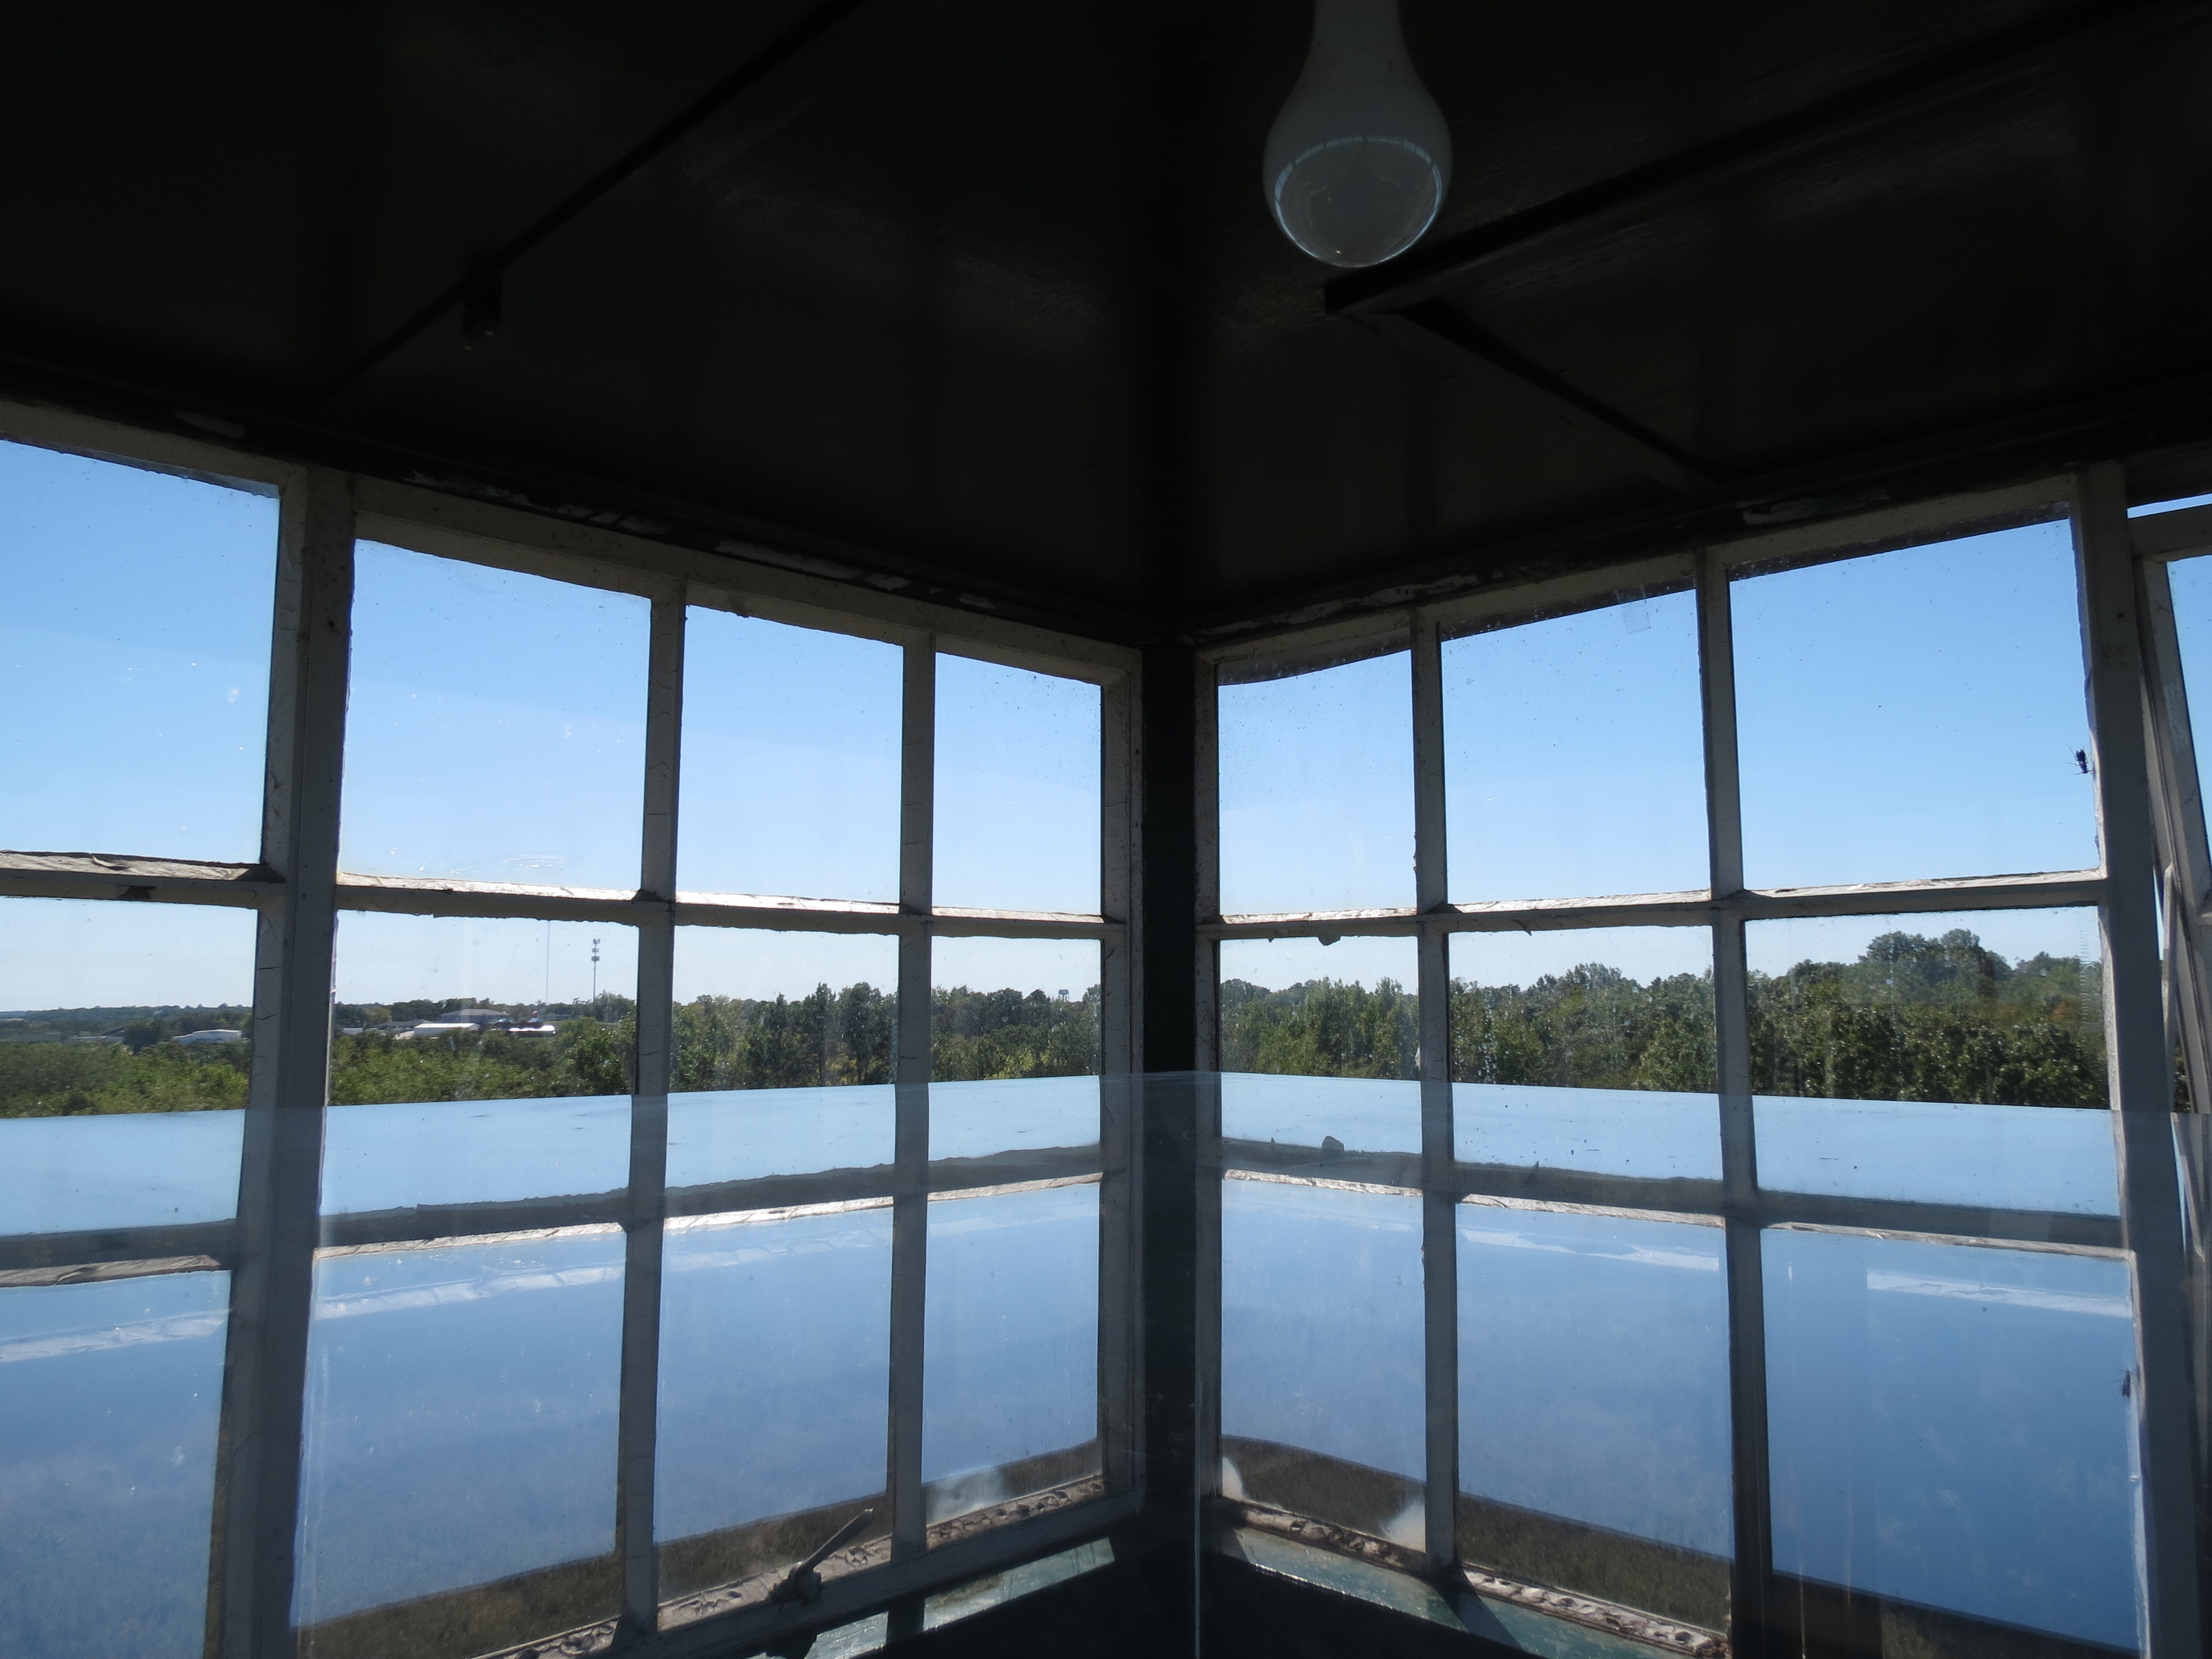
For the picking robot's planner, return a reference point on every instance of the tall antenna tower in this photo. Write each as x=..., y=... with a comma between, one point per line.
x=595, y=979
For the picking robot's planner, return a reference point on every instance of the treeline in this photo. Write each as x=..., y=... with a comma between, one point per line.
x=831, y=1037
x=1913, y=1018
x=826, y=1036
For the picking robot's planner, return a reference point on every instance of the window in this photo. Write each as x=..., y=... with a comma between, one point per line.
x=1745, y=971
x=616, y=1171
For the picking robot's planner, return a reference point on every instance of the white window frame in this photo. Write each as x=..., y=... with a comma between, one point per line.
x=298, y=892
x=2124, y=671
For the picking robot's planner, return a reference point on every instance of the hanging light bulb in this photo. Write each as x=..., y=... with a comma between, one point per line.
x=1357, y=164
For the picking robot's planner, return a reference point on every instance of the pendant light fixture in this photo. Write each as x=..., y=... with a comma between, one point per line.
x=1358, y=162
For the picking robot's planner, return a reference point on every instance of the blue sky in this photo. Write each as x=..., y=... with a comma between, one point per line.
x=495, y=731
x=1911, y=714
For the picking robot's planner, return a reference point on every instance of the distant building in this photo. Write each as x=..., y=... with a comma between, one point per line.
x=195, y=1038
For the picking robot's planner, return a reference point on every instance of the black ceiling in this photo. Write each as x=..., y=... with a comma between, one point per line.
x=986, y=292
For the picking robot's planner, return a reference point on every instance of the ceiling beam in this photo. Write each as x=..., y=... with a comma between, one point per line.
x=2005, y=54
x=1434, y=329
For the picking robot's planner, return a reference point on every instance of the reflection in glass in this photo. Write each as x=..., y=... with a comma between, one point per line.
x=1017, y=788
x=718, y=1136
x=457, y=1008
x=124, y=1008
x=1574, y=754
x=457, y=1477
x=1951, y=1429
x=134, y=657
x=1321, y=1352
x=1594, y=1421
x=434, y=1155
x=774, y=1377
x=1880, y=740
x=1296, y=1006
x=1316, y=781
x=760, y=1010
x=1013, y=1008
x=109, y=1398
x=1010, y=1380
x=819, y=714
x=2004, y=1007
x=495, y=726
x=2189, y=581
x=1595, y=1008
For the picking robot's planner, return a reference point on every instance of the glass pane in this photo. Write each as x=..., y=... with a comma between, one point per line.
x=124, y=1062
x=458, y=1482
x=1952, y=1428
x=760, y=1010
x=457, y=1478
x=1017, y=789
x=1885, y=737
x=495, y=726
x=1298, y=1007
x=1908, y=1042
x=457, y=1008
x=110, y=1394
x=1010, y=1008
x=2191, y=581
x=133, y=659
x=819, y=714
x=1574, y=754
x=1593, y=1405
x=774, y=1389
x=1010, y=1379
x=1586, y=1053
x=1321, y=1352
x=1316, y=785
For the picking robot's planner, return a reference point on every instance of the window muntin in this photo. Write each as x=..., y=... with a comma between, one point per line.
x=1316, y=790
x=1016, y=790
x=134, y=657
x=791, y=760
x=1573, y=761
x=495, y=726
x=762, y=1009
x=1914, y=715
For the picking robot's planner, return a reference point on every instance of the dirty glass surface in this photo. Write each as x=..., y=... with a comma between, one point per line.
x=791, y=760
x=1013, y=1008
x=466, y=1008
x=134, y=657
x=762, y=1009
x=457, y=1481
x=1881, y=741
x=1348, y=1007
x=1574, y=754
x=109, y=1400
x=1010, y=1360
x=1953, y=1429
x=1316, y=782
x=1017, y=788
x=495, y=726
